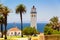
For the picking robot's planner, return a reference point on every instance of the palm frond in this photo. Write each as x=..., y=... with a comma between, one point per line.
x=6, y=10
x=20, y=8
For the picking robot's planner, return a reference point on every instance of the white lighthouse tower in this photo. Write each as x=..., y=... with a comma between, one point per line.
x=33, y=17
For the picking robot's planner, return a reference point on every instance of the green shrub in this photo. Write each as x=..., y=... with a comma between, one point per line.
x=29, y=31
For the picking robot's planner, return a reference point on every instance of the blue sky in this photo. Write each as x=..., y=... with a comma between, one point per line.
x=46, y=9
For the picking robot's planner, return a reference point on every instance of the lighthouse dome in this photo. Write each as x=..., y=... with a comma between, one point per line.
x=33, y=10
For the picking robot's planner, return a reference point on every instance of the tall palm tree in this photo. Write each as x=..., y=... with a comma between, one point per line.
x=1, y=20
x=5, y=13
x=4, y=10
x=21, y=9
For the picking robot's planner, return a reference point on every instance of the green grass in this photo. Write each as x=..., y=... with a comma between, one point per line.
x=1, y=38
x=13, y=37
x=16, y=37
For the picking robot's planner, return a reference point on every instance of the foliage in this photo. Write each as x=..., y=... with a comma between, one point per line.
x=54, y=21
x=1, y=20
x=49, y=28
x=4, y=10
x=55, y=32
x=20, y=8
x=29, y=31
x=49, y=31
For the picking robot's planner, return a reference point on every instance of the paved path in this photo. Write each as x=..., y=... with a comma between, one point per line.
x=41, y=36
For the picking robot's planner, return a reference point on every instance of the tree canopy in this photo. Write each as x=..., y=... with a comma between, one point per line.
x=20, y=8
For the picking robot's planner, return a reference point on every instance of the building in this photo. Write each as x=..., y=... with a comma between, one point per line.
x=0, y=34
x=14, y=32
x=33, y=17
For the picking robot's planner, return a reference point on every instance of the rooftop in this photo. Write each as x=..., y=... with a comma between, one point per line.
x=14, y=29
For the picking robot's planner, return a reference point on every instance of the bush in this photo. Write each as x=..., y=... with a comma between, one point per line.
x=55, y=32
x=48, y=30
x=29, y=31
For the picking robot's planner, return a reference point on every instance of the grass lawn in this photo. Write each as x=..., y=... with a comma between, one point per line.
x=13, y=37
x=16, y=37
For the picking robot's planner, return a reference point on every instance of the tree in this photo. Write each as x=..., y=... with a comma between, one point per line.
x=54, y=21
x=52, y=28
x=29, y=31
x=48, y=30
x=5, y=13
x=21, y=9
x=4, y=10
x=1, y=19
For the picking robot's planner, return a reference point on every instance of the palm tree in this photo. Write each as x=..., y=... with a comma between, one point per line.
x=4, y=10
x=54, y=21
x=21, y=9
x=5, y=13
x=1, y=20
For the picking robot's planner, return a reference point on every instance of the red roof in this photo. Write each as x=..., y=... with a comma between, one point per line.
x=14, y=29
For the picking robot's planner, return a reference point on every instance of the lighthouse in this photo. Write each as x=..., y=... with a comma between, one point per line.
x=33, y=17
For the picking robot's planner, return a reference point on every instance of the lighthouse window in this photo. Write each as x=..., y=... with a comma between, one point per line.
x=32, y=15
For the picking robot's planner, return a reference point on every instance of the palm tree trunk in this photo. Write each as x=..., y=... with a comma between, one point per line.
x=5, y=27
x=1, y=27
x=21, y=24
x=2, y=30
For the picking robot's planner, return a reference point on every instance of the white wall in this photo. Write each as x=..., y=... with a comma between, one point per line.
x=9, y=33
